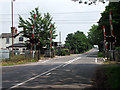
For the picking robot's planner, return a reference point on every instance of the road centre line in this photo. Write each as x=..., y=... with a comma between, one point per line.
x=71, y=61
x=47, y=72
x=35, y=77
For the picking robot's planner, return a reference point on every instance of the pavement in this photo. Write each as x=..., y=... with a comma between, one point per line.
x=64, y=72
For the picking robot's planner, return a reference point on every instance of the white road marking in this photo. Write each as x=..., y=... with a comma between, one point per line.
x=45, y=61
x=35, y=77
x=71, y=61
x=96, y=60
x=40, y=60
x=104, y=59
x=47, y=73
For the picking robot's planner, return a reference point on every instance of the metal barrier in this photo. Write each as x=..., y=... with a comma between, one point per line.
x=113, y=55
x=4, y=54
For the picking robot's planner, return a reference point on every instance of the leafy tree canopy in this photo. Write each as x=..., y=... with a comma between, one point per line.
x=77, y=42
x=96, y=35
x=42, y=27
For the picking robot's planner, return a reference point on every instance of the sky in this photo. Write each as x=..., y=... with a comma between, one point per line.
x=68, y=15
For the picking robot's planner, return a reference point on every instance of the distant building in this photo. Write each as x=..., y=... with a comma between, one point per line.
x=6, y=41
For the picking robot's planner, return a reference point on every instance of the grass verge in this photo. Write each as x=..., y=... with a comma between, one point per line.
x=10, y=63
x=100, y=54
x=112, y=72
x=108, y=76
x=18, y=59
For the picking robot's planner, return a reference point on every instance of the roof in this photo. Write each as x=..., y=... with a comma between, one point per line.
x=18, y=45
x=8, y=35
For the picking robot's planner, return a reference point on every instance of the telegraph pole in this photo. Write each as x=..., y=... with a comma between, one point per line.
x=12, y=27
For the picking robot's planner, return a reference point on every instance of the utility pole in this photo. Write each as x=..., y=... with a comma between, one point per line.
x=12, y=26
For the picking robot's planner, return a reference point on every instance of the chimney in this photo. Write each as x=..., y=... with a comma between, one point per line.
x=14, y=30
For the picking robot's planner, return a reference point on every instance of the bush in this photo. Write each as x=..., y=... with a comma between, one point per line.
x=63, y=52
x=117, y=48
x=100, y=54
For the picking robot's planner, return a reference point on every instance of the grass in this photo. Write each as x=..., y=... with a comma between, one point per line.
x=112, y=72
x=10, y=63
x=18, y=59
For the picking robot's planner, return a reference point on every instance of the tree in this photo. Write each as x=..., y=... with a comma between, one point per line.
x=77, y=42
x=104, y=20
x=42, y=28
x=96, y=35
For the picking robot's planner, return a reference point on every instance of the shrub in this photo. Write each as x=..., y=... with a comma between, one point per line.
x=117, y=48
x=63, y=52
x=100, y=54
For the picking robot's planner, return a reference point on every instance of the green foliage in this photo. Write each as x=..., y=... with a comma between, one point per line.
x=42, y=28
x=117, y=48
x=77, y=42
x=113, y=75
x=17, y=59
x=93, y=35
x=96, y=35
x=63, y=52
x=104, y=20
x=100, y=54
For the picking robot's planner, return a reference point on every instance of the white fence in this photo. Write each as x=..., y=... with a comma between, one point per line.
x=4, y=54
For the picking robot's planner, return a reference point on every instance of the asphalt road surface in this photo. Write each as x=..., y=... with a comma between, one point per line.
x=67, y=72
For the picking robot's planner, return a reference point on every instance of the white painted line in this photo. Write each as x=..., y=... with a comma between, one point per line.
x=48, y=74
x=96, y=60
x=71, y=61
x=34, y=77
x=104, y=59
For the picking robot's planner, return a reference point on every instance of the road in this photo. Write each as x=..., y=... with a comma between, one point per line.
x=75, y=71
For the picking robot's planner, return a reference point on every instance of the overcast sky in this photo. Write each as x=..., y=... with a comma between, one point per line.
x=69, y=16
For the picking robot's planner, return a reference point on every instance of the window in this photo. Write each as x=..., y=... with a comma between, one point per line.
x=20, y=38
x=7, y=40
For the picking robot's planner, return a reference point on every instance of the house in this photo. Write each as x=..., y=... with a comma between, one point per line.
x=19, y=41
